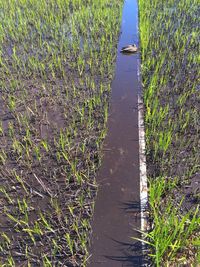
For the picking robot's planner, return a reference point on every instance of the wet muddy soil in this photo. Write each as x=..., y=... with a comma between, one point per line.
x=52, y=125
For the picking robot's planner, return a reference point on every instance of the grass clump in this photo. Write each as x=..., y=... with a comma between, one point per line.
x=171, y=231
x=169, y=49
x=56, y=66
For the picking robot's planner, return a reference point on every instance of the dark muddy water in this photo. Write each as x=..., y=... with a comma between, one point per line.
x=117, y=208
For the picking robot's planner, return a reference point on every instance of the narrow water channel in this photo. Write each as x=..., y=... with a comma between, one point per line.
x=117, y=207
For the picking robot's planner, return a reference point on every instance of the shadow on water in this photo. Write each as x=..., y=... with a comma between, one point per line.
x=130, y=257
x=133, y=252
x=131, y=206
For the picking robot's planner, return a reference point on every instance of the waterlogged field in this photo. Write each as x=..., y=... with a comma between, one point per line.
x=56, y=66
x=169, y=32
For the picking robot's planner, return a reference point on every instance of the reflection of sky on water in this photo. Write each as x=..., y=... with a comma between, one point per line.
x=129, y=23
x=126, y=64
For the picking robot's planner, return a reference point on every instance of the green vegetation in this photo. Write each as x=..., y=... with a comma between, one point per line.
x=170, y=71
x=56, y=65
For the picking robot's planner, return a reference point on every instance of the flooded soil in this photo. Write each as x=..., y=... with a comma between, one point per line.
x=117, y=207
x=53, y=108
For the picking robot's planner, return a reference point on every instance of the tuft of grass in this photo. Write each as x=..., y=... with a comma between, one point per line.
x=171, y=229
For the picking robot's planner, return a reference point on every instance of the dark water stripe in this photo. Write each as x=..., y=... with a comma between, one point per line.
x=117, y=207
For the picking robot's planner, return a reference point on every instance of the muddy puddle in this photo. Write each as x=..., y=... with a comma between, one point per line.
x=117, y=207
